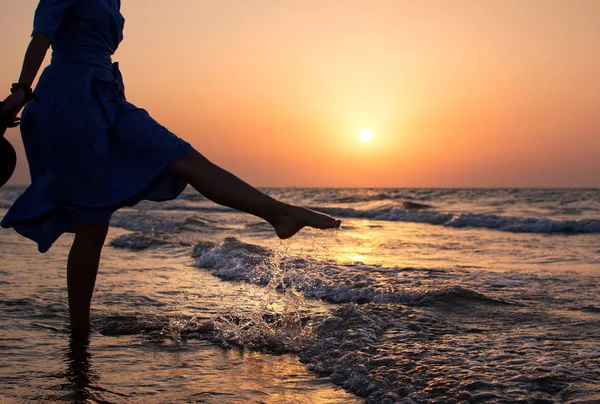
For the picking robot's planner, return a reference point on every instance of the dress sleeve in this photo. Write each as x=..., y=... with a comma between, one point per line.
x=49, y=15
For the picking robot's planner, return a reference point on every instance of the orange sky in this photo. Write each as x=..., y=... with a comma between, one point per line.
x=458, y=93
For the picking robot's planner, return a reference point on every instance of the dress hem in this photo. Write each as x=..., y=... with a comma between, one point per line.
x=27, y=227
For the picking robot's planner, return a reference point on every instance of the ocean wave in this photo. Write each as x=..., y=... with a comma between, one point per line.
x=457, y=295
x=137, y=241
x=183, y=205
x=235, y=260
x=273, y=333
x=514, y=224
x=395, y=353
x=117, y=325
x=157, y=232
x=191, y=196
x=398, y=333
x=154, y=327
x=142, y=221
x=590, y=309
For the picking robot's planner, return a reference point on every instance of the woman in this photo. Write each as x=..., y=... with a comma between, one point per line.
x=90, y=152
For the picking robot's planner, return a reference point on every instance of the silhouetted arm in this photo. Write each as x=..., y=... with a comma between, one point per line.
x=34, y=56
x=36, y=52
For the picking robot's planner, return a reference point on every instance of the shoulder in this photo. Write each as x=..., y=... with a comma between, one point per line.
x=54, y=7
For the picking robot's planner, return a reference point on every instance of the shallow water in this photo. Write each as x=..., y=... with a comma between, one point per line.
x=424, y=296
x=137, y=353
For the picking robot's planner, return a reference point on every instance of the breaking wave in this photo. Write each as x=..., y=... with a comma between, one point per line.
x=512, y=224
x=235, y=260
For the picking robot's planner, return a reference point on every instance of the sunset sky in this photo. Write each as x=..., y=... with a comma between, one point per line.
x=456, y=93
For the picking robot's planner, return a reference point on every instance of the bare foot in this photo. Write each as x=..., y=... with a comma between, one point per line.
x=295, y=218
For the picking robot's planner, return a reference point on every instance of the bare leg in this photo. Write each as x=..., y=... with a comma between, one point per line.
x=226, y=189
x=82, y=268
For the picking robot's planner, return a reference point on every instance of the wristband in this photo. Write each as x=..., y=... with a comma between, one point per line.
x=29, y=95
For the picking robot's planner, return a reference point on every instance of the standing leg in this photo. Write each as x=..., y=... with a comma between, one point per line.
x=226, y=189
x=82, y=268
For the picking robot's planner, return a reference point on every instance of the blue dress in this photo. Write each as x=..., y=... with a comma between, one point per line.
x=90, y=152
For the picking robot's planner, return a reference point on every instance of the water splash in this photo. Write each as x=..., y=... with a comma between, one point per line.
x=279, y=321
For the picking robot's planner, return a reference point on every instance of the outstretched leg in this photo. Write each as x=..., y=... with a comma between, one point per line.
x=82, y=268
x=226, y=189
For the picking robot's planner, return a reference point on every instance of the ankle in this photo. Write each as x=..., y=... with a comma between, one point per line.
x=80, y=332
x=80, y=326
x=278, y=212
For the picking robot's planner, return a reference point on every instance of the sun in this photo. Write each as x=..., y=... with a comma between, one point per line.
x=365, y=135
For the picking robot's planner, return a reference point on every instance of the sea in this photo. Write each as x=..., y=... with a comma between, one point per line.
x=422, y=296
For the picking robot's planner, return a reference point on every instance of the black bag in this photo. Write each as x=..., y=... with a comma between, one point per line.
x=8, y=157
